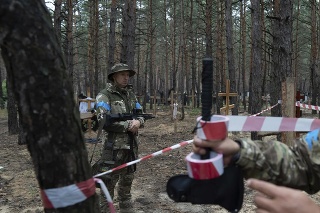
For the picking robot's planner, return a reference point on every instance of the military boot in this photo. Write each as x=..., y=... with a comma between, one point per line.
x=126, y=206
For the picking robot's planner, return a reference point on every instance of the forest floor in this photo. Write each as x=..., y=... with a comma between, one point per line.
x=19, y=191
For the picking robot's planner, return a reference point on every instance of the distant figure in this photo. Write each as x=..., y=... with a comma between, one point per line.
x=121, y=145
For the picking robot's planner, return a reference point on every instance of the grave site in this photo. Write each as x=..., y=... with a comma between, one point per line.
x=51, y=55
x=19, y=192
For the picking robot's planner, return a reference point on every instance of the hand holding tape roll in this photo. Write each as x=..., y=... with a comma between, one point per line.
x=208, y=182
x=215, y=129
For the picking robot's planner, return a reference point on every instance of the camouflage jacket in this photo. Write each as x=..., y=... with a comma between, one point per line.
x=296, y=167
x=118, y=100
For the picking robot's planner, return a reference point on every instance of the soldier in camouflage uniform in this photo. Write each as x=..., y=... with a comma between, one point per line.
x=121, y=145
x=295, y=167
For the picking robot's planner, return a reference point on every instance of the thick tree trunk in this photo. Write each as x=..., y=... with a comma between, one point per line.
x=49, y=116
x=243, y=53
x=313, y=59
x=112, y=35
x=13, y=126
x=57, y=19
x=69, y=41
x=1, y=90
x=256, y=73
x=275, y=80
x=230, y=55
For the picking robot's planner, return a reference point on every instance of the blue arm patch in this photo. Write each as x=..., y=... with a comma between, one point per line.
x=138, y=106
x=104, y=105
x=311, y=137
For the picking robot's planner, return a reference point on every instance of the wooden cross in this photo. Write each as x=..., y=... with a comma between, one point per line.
x=87, y=115
x=227, y=94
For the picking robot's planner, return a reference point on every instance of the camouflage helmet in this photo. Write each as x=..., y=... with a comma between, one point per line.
x=119, y=68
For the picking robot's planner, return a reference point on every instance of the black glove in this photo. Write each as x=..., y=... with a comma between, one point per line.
x=226, y=190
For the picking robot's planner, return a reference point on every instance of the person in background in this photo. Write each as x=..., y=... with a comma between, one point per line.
x=274, y=163
x=121, y=144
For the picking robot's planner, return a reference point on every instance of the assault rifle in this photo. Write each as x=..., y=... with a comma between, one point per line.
x=108, y=119
x=111, y=118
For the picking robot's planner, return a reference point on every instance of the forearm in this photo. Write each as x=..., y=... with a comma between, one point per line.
x=277, y=163
x=119, y=126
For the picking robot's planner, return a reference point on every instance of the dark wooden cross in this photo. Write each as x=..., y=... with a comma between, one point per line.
x=227, y=94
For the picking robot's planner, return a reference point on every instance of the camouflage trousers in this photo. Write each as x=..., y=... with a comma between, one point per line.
x=123, y=177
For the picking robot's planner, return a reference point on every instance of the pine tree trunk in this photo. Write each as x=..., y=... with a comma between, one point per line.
x=256, y=60
x=48, y=113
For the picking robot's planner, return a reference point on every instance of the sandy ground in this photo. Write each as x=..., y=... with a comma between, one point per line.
x=19, y=192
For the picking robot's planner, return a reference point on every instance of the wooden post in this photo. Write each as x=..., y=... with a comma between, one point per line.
x=288, y=107
x=171, y=103
x=298, y=110
x=155, y=102
x=227, y=94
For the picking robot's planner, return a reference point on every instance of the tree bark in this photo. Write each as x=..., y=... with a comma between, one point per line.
x=257, y=60
x=230, y=55
x=57, y=19
x=49, y=116
x=13, y=125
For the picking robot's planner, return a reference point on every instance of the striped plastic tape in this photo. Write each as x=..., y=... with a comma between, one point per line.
x=215, y=129
x=272, y=124
x=204, y=169
x=68, y=195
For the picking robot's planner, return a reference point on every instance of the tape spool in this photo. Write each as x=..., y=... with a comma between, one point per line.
x=204, y=169
x=215, y=129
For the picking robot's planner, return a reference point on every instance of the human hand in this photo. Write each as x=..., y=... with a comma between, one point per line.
x=278, y=199
x=134, y=126
x=227, y=147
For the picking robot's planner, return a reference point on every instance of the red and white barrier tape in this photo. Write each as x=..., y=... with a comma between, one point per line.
x=204, y=169
x=272, y=124
x=181, y=144
x=266, y=109
x=107, y=194
x=243, y=123
x=306, y=106
x=67, y=195
x=73, y=194
x=214, y=129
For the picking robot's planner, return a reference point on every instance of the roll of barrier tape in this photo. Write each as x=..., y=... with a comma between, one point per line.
x=215, y=129
x=204, y=169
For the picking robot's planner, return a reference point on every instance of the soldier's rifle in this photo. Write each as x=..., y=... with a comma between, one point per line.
x=107, y=119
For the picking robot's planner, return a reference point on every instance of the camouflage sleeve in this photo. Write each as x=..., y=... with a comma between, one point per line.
x=102, y=103
x=103, y=106
x=296, y=167
x=138, y=106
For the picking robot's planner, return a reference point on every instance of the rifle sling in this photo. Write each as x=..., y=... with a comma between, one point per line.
x=132, y=157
